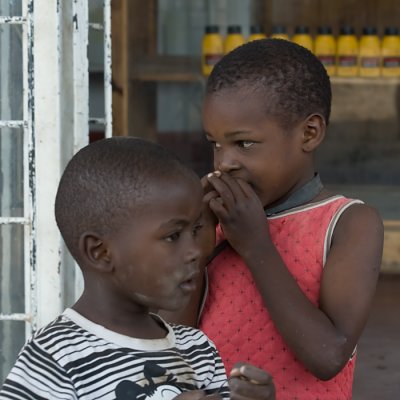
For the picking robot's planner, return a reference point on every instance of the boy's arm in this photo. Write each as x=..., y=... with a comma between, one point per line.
x=322, y=338
x=36, y=376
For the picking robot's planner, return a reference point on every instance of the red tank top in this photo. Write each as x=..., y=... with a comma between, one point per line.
x=234, y=315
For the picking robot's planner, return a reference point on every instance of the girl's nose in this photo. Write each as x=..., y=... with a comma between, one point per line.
x=225, y=162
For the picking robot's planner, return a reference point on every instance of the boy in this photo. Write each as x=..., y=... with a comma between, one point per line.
x=131, y=215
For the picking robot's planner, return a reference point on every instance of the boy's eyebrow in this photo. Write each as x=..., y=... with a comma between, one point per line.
x=173, y=221
x=178, y=221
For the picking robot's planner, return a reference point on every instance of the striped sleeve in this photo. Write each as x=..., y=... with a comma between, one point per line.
x=204, y=358
x=36, y=376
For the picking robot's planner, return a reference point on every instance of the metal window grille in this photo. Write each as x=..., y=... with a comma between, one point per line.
x=38, y=306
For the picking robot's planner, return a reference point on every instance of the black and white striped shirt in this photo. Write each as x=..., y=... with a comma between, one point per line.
x=73, y=358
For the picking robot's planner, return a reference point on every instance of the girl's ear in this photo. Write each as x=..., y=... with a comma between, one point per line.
x=314, y=132
x=95, y=252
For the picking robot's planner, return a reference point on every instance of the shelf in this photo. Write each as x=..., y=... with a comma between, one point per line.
x=167, y=69
x=362, y=81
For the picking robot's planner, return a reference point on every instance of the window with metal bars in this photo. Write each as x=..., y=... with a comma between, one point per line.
x=44, y=120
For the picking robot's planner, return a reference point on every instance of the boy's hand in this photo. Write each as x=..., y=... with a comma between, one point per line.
x=249, y=382
x=197, y=395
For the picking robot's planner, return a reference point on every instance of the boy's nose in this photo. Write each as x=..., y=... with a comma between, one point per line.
x=193, y=251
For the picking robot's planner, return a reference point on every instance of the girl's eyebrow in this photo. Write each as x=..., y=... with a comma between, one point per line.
x=231, y=134
x=236, y=133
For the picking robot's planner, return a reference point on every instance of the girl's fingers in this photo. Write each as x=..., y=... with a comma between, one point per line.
x=223, y=189
x=234, y=186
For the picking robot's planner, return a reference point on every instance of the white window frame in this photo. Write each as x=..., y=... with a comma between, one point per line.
x=52, y=113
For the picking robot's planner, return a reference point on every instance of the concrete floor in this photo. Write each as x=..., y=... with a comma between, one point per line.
x=377, y=375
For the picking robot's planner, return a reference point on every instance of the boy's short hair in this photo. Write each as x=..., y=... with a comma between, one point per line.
x=293, y=81
x=106, y=181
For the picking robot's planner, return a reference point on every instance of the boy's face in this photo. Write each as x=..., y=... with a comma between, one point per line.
x=250, y=145
x=157, y=256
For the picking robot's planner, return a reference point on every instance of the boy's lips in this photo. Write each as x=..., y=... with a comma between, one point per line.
x=190, y=283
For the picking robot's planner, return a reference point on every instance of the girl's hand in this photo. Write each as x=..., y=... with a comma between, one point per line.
x=239, y=211
x=249, y=382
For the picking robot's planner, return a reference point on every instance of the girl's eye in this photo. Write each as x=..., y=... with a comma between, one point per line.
x=245, y=144
x=215, y=145
x=173, y=237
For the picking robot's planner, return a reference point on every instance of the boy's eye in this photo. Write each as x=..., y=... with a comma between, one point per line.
x=245, y=144
x=173, y=237
x=196, y=229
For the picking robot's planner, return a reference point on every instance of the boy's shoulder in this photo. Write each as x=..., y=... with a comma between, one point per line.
x=187, y=336
x=60, y=329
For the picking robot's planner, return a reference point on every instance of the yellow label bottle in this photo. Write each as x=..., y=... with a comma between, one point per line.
x=233, y=39
x=303, y=38
x=256, y=33
x=391, y=53
x=212, y=49
x=325, y=49
x=370, y=53
x=279, y=32
x=347, y=53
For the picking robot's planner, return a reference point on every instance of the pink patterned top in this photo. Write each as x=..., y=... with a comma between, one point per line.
x=235, y=318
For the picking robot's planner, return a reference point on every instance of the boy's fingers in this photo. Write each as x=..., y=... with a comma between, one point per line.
x=241, y=389
x=251, y=373
x=192, y=395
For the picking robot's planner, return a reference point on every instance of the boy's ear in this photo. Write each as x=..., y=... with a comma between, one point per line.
x=95, y=252
x=314, y=132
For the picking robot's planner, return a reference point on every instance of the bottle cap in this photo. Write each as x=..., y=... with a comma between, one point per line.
x=369, y=30
x=277, y=29
x=391, y=30
x=212, y=29
x=234, y=29
x=347, y=30
x=301, y=30
x=324, y=30
x=254, y=29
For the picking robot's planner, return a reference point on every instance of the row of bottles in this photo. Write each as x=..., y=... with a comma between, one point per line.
x=345, y=55
x=214, y=45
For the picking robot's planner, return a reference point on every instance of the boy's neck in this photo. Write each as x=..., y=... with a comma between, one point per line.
x=136, y=323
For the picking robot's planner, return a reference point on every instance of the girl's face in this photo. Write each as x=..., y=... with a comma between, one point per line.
x=157, y=256
x=250, y=145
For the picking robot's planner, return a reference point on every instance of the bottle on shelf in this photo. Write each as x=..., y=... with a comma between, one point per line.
x=302, y=37
x=234, y=38
x=256, y=33
x=370, y=53
x=347, y=53
x=212, y=48
x=325, y=49
x=279, y=32
x=391, y=52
